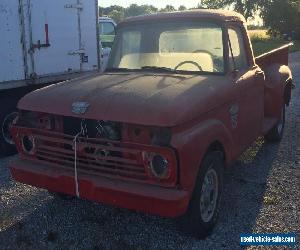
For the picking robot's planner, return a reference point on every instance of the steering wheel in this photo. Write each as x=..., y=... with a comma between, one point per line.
x=190, y=62
x=218, y=66
x=202, y=51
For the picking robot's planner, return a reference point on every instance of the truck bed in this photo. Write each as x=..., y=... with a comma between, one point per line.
x=276, y=56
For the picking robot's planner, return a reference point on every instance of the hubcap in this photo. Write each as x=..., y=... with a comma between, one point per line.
x=209, y=195
x=6, y=125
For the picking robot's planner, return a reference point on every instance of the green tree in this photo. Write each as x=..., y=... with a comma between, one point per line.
x=116, y=15
x=149, y=9
x=296, y=4
x=283, y=16
x=107, y=10
x=168, y=8
x=246, y=7
x=182, y=8
x=135, y=10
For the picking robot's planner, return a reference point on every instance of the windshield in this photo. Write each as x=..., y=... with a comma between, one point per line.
x=178, y=46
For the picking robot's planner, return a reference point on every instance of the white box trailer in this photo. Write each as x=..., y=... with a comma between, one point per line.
x=43, y=42
x=42, y=38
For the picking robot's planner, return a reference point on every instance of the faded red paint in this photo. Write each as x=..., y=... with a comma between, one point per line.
x=198, y=109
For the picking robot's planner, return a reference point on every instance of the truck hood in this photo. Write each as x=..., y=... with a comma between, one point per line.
x=137, y=98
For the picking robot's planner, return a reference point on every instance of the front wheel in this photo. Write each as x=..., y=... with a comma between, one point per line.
x=276, y=133
x=204, y=207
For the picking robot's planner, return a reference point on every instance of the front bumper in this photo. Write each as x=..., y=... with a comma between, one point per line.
x=136, y=196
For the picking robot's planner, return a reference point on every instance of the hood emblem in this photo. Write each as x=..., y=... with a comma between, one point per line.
x=80, y=108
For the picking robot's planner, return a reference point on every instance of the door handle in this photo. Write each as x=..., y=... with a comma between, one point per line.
x=259, y=73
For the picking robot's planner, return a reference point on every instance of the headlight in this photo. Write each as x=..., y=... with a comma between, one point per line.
x=159, y=166
x=28, y=144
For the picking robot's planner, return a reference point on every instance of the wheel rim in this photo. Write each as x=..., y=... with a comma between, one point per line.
x=6, y=125
x=209, y=195
x=281, y=122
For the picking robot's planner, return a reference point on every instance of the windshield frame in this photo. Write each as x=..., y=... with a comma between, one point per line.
x=128, y=25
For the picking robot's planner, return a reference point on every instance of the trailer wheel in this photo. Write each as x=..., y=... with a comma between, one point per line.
x=276, y=133
x=204, y=207
x=7, y=115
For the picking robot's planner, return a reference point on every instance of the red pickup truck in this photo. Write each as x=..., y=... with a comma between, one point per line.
x=182, y=98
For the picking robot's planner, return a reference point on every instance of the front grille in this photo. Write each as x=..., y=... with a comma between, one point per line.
x=94, y=156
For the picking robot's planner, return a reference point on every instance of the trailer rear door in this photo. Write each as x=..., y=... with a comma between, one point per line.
x=58, y=42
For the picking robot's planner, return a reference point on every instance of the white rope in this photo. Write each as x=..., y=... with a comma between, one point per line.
x=83, y=131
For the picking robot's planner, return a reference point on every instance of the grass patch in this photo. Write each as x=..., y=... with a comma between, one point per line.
x=262, y=42
x=261, y=47
x=259, y=34
x=271, y=200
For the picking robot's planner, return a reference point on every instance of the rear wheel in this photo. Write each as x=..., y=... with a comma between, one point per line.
x=276, y=133
x=7, y=115
x=204, y=207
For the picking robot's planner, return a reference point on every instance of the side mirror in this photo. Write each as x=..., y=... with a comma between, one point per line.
x=234, y=73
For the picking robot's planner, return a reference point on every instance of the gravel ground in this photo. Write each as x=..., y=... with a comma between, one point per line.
x=261, y=195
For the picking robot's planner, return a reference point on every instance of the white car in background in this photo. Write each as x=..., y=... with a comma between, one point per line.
x=107, y=35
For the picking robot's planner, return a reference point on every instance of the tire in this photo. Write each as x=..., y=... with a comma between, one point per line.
x=199, y=221
x=276, y=133
x=7, y=114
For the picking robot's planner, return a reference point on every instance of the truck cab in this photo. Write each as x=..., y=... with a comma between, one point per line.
x=182, y=97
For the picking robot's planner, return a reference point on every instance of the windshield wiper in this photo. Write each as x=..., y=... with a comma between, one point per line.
x=118, y=69
x=161, y=69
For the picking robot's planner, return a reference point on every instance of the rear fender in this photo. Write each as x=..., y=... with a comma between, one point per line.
x=288, y=91
x=193, y=144
x=277, y=89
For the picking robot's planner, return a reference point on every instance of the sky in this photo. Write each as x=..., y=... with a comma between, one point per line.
x=155, y=3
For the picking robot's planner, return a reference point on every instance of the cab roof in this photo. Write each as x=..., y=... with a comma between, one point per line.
x=218, y=15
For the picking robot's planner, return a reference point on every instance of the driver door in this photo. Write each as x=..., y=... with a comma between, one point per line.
x=247, y=80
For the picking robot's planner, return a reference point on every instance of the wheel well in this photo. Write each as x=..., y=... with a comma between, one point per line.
x=217, y=146
x=287, y=91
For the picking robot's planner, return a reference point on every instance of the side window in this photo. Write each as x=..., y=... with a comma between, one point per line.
x=107, y=34
x=238, y=49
